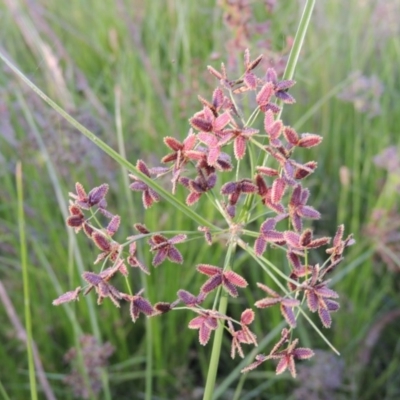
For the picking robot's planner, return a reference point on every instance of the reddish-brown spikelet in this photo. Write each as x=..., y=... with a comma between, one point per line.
x=287, y=357
x=141, y=228
x=221, y=121
x=250, y=80
x=267, y=229
x=102, y=287
x=286, y=309
x=247, y=316
x=149, y=195
x=250, y=65
x=80, y=191
x=298, y=208
x=88, y=230
x=294, y=260
x=200, y=123
x=162, y=307
x=101, y=241
x=306, y=169
x=97, y=194
x=291, y=135
x=264, y=95
x=205, y=323
x=278, y=190
x=67, y=297
x=260, y=358
x=286, y=304
x=173, y=144
x=236, y=341
x=211, y=284
x=165, y=248
x=189, y=299
x=308, y=140
x=133, y=261
x=239, y=147
x=274, y=131
x=260, y=245
x=113, y=225
x=207, y=234
x=267, y=171
x=229, y=279
x=228, y=188
x=214, y=72
x=247, y=186
x=209, y=270
x=269, y=120
x=76, y=219
x=138, y=304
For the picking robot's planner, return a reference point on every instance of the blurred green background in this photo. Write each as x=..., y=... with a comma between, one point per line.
x=137, y=67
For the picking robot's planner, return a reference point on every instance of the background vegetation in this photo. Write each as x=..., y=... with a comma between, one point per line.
x=136, y=67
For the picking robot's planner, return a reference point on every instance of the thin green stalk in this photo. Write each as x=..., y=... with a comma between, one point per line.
x=296, y=49
x=288, y=74
x=298, y=43
x=143, y=280
x=3, y=392
x=25, y=280
x=239, y=387
x=216, y=349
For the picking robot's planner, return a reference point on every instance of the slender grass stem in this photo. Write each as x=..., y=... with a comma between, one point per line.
x=298, y=42
x=216, y=349
x=3, y=392
x=25, y=279
x=296, y=49
x=143, y=280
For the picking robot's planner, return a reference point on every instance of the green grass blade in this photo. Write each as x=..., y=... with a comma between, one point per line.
x=299, y=40
x=143, y=280
x=25, y=279
x=3, y=392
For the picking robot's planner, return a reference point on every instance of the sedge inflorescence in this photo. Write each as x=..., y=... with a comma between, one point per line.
x=226, y=162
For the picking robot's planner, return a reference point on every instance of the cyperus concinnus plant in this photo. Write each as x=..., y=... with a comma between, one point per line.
x=229, y=164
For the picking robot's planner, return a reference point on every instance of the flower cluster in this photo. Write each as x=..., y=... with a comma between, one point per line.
x=209, y=165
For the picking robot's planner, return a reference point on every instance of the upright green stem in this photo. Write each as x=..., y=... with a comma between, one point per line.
x=289, y=73
x=143, y=280
x=298, y=42
x=216, y=349
x=295, y=52
x=25, y=280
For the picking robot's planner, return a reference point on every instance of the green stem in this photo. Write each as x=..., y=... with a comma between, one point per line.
x=143, y=280
x=288, y=74
x=295, y=51
x=298, y=43
x=216, y=349
x=3, y=392
x=25, y=280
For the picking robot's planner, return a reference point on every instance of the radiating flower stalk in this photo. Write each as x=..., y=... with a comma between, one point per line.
x=211, y=166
